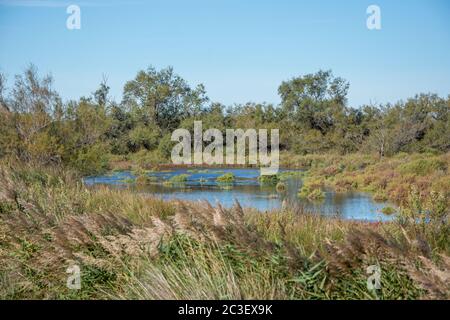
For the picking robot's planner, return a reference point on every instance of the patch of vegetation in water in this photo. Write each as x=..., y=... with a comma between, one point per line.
x=144, y=179
x=312, y=190
x=268, y=179
x=178, y=179
x=282, y=176
x=281, y=187
x=226, y=178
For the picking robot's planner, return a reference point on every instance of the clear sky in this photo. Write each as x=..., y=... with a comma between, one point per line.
x=240, y=50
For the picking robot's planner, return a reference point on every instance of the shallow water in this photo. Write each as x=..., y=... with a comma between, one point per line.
x=202, y=185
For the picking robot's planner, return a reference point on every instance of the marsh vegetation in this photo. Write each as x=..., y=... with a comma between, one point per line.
x=131, y=244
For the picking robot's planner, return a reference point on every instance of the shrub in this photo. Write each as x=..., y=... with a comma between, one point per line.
x=281, y=187
x=91, y=160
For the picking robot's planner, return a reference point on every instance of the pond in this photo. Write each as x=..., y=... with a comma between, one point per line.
x=201, y=184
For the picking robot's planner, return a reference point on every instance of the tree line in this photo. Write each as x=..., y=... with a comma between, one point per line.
x=313, y=117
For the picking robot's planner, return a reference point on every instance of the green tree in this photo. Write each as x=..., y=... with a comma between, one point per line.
x=163, y=98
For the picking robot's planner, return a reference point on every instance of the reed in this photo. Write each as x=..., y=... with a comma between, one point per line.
x=131, y=246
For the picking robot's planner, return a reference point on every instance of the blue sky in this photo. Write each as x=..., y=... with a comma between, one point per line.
x=240, y=50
